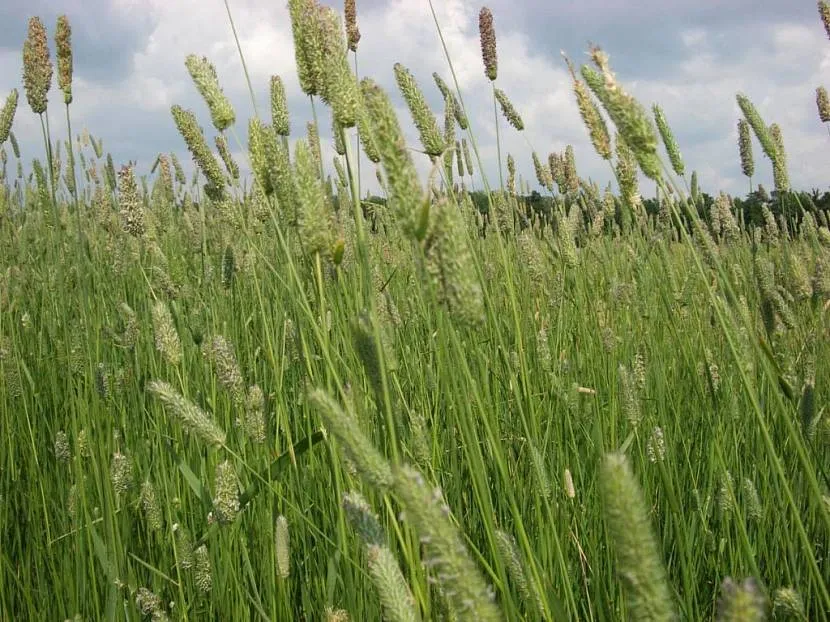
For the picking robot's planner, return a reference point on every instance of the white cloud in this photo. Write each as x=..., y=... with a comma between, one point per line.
x=778, y=66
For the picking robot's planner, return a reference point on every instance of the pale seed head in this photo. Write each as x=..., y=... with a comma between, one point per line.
x=822, y=103
x=421, y=114
x=63, y=47
x=207, y=82
x=7, y=118
x=509, y=112
x=37, y=66
x=282, y=546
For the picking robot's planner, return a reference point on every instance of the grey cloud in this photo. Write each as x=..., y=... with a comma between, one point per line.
x=103, y=38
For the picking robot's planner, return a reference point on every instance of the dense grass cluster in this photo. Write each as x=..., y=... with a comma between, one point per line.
x=272, y=398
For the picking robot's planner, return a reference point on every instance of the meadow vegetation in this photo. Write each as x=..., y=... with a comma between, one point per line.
x=277, y=396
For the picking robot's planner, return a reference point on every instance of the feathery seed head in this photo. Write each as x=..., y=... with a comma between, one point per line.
x=225, y=153
x=202, y=571
x=315, y=217
x=152, y=508
x=352, y=31
x=543, y=174
x=165, y=333
x=121, y=473
x=741, y=602
x=421, y=114
x=509, y=112
x=372, y=466
x=779, y=164
x=257, y=152
x=37, y=66
x=568, y=482
x=62, y=451
x=132, y=207
x=307, y=44
x=192, y=417
x=279, y=107
x=339, y=85
x=755, y=121
x=745, y=148
x=282, y=547
x=571, y=176
x=460, y=117
x=591, y=116
x=207, y=82
x=824, y=12
x=468, y=160
x=402, y=178
x=823, y=104
x=363, y=519
x=194, y=139
x=6, y=119
x=639, y=561
x=487, y=34
x=445, y=553
x=669, y=141
x=626, y=112
x=63, y=51
x=226, y=498
x=220, y=353
x=450, y=264
x=788, y=604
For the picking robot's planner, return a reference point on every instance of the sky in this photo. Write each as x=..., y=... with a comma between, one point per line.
x=690, y=56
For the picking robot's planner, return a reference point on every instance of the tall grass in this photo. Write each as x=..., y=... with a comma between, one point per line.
x=271, y=398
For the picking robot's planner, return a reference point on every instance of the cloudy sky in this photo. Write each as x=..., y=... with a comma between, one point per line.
x=691, y=56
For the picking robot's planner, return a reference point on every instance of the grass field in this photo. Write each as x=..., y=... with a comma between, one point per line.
x=278, y=397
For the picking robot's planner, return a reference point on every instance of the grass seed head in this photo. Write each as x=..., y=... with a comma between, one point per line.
x=424, y=120
x=352, y=31
x=37, y=66
x=823, y=104
x=745, y=148
x=192, y=417
x=824, y=13
x=194, y=139
x=639, y=561
x=7, y=118
x=166, y=336
x=207, y=82
x=130, y=203
x=445, y=553
x=121, y=473
x=282, y=546
x=741, y=602
x=591, y=116
x=401, y=176
x=220, y=353
x=509, y=112
x=669, y=141
x=227, y=158
x=779, y=164
x=315, y=216
x=63, y=51
x=202, y=570
x=758, y=126
x=627, y=113
x=371, y=465
x=226, y=497
x=487, y=34
x=279, y=107
x=152, y=509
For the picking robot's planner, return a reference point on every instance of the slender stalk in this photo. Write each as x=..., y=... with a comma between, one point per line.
x=242, y=58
